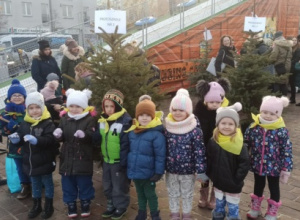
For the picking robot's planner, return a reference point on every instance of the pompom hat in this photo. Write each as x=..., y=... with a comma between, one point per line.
x=145, y=106
x=115, y=96
x=77, y=97
x=16, y=87
x=215, y=94
x=34, y=97
x=274, y=104
x=182, y=101
x=49, y=90
x=229, y=112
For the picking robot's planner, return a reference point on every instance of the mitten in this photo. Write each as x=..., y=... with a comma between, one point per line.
x=57, y=133
x=156, y=177
x=14, y=138
x=79, y=134
x=284, y=176
x=11, y=125
x=202, y=177
x=31, y=139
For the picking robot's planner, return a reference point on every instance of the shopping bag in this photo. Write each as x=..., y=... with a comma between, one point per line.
x=13, y=181
x=211, y=66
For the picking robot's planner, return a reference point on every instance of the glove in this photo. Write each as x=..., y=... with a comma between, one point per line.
x=79, y=134
x=284, y=176
x=202, y=177
x=14, y=138
x=31, y=139
x=57, y=133
x=11, y=125
x=156, y=177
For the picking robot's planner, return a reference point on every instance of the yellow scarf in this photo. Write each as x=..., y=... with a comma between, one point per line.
x=276, y=125
x=233, y=146
x=13, y=113
x=35, y=122
x=113, y=117
x=225, y=102
x=170, y=117
x=138, y=128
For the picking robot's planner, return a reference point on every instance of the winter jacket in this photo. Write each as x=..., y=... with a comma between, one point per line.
x=39, y=159
x=41, y=67
x=274, y=155
x=76, y=154
x=261, y=48
x=227, y=171
x=224, y=56
x=68, y=64
x=295, y=59
x=54, y=114
x=147, y=153
x=282, y=53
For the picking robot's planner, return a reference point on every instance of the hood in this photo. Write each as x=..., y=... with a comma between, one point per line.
x=283, y=43
x=67, y=53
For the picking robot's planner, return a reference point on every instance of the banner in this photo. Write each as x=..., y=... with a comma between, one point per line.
x=255, y=24
x=109, y=19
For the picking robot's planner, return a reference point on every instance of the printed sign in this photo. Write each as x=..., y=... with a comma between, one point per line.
x=255, y=24
x=109, y=19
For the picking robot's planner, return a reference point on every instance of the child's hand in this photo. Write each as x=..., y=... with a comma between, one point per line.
x=31, y=139
x=14, y=138
x=11, y=124
x=202, y=177
x=284, y=176
x=156, y=177
x=57, y=133
x=79, y=134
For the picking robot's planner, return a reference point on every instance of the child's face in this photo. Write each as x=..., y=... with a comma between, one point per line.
x=227, y=126
x=213, y=105
x=179, y=115
x=109, y=107
x=268, y=116
x=34, y=111
x=75, y=109
x=17, y=98
x=144, y=119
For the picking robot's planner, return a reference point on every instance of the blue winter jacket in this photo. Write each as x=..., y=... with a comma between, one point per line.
x=147, y=154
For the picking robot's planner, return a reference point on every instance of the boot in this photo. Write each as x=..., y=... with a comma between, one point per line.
x=3, y=181
x=85, y=208
x=25, y=192
x=48, y=208
x=255, y=206
x=142, y=215
x=272, y=209
x=217, y=215
x=187, y=216
x=155, y=215
x=110, y=209
x=72, y=209
x=203, y=197
x=212, y=201
x=175, y=216
x=36, y=209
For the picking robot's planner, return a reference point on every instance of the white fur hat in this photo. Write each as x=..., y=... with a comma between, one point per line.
x=77, y=97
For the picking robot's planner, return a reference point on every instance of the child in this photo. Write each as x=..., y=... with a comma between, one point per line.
x=212, y=96
x=185, y=155
x=11, y=118
x=76, y=157
x=82, y=72
x=114, y=146
x=272, y=160
x=146, y=158
x=39, y=151
x=227, y=162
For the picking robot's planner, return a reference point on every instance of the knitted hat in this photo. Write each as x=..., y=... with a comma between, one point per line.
x=145, y=106
x=71, y=43
x=274, y=104
x=52, y=76
x=35, y=97
x=229, y=112
x=114, y=95
x=16, y=87
x=43, y=44
x=278, y=34
x=182, y=101
x=77, y=97
x=49, y=90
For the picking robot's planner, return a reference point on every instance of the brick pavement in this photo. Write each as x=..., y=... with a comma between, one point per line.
x=12, y=208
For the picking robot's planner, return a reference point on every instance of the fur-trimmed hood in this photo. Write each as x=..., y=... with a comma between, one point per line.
x=283, y=43
x=70, y=56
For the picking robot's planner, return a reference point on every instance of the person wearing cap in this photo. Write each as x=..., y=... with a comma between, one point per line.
x=72, y=54
x=44, y=64
x=271, y=155
x=227, y=162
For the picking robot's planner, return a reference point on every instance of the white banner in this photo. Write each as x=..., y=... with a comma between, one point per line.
x=255, y=24
x=109, y=19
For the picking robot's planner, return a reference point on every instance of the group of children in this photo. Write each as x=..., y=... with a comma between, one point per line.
x=203, y=144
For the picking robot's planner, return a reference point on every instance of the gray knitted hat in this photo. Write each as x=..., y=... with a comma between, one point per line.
x=229, y=112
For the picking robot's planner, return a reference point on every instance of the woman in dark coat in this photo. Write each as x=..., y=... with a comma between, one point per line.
x=292, y=78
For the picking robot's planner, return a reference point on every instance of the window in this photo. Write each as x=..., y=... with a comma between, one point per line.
x=27, y=8
x=5, y=7
x=86, y=16
x=67, y=11
x=45, y=13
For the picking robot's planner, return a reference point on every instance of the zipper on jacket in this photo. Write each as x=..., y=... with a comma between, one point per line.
x=106, y=137
x=30, y=154
x=263, y=153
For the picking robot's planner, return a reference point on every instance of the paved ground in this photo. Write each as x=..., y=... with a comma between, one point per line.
x=12, y=208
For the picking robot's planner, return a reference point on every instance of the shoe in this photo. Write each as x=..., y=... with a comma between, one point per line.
x=25, y=192
x=142, y=215
x=218, y=215
x=212, y=201
x=3, y=181
x=203, y=197
x=110, y=209
x=48, y=208
x=36, y=208
x=272, y=209
x=154, y=215
x=298, y=104
x=72, y=209
x=85, y=208
x=292, y=101
x=118, y=214
x=187, y=216
x=255, y=206
x=175, y=216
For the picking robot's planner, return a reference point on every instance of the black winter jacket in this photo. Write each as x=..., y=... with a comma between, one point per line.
x=226, y=58
x=227, y=171
x=39, y=159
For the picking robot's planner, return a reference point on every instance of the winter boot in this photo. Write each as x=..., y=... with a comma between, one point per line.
x=48, y=208
x=255, y=206
x=155, y=215
x=25, y=192
x=3, y=181
x=233, y=211
x=187, y=216
x=219, y=212
x=72, y=209
x=272, y=209
x=142, y=215
x=175, y=216
x=36, y=209
x=217, y=215
x=118, y=214
x=110, y=209
x=203, y=197
x=212, y=200
x=85, y=208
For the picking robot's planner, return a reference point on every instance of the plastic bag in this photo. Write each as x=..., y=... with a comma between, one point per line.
x=13, y=181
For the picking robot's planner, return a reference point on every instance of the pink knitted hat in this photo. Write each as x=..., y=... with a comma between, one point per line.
x=182, y=101
x=49, y=90
x=216, y=93
x=274, y=104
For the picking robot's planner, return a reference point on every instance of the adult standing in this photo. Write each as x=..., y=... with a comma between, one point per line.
x=292, y=78
x=44, y=64
x=72, y=56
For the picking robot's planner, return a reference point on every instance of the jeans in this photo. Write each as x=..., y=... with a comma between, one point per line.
x=24, y=178
x=37, y=184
